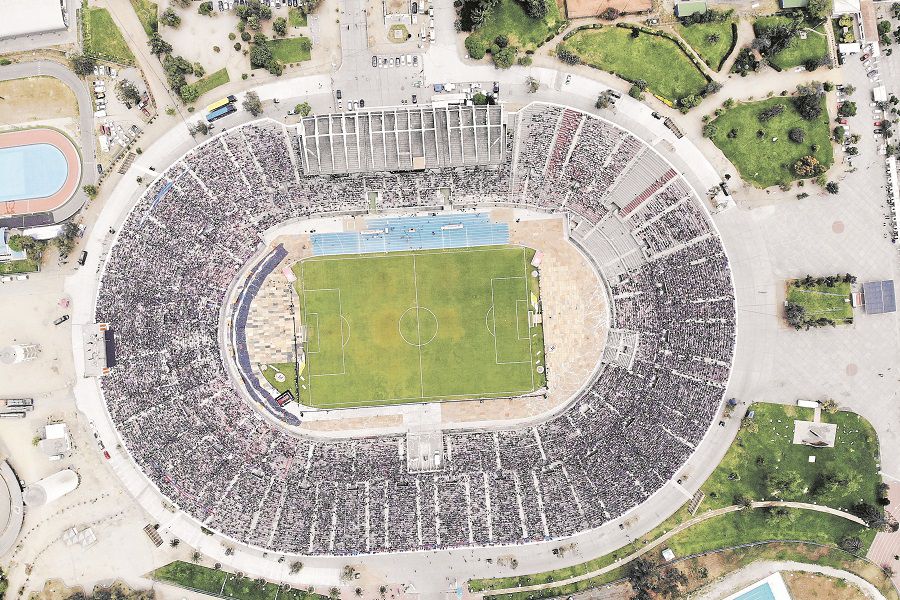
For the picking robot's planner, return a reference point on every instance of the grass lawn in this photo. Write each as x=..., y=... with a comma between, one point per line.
x=697, y=36
x=291, y=50
x=509, y=18
x=26, y=265
x=764, y=446
x=822, y=301
x=148, y=14
x=739, y=473
x=798, y=51
x=761, y=161
x=102, y=39
x=289, y=370
x=657, y=60
x=296, y=17
x=224, y=584
x=417, y=327
x=212, y=81
x=759, y=524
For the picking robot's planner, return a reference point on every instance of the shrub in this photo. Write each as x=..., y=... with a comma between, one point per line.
x=505, y=58
x=636, y=92
x=839, y=133
x=610, y=14
x=710, y=130
x=245, y=36
x=566, y=55
x=237, y=45
x=770, y=113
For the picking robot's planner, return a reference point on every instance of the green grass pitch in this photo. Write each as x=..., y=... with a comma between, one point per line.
x=417, y=327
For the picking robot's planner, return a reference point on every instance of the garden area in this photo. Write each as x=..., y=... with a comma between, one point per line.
x=211, y=81
x=16, y=267
x=712, y=40
x=819, y=302
x=654, y=59
x=792, y=42
x=761, y=464
x=291, y=50
x=509, y=19
x=223, y=584
x=775, y=141
x=102, y=39
x=148, y=14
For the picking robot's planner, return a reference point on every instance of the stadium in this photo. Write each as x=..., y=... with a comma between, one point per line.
x=336, y=215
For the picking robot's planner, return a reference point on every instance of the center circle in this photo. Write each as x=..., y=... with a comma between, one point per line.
x=418, y=326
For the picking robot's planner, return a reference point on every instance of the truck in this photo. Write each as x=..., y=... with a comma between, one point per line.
x=223, y=111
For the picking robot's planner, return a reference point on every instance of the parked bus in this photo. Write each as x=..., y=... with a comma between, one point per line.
x=220, y=103
x=220, y=112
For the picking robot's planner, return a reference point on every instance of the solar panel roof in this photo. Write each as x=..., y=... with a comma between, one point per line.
x=879, y=297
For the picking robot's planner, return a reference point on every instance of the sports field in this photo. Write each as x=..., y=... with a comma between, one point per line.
x=418, y=327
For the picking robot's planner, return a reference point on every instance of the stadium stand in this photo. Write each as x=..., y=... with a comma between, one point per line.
x=630, y=429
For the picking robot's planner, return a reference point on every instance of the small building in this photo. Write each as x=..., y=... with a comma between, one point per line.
x=668, y=555
x=689, y=7
x=879, y=297
x=879, y=94
x=56, y=440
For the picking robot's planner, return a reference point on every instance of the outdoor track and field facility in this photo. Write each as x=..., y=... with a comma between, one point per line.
x=419, y=326
x=40, y=170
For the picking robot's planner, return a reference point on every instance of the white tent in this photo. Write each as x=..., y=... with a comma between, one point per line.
x=27, y=17
x=846, y=7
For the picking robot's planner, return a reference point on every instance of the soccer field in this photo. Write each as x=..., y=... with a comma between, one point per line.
x=418, y=327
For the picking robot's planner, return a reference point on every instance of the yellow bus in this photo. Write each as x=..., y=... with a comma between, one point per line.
x=220, y=103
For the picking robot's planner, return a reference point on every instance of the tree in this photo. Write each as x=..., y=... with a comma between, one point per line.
x=502, y=41
x=610, y=14
x=279, y=25
x=261, y=56
x=829, y=405
x=200, y=127
x=198, y=70
x=795, y=315
x=808, y=166
x=505, y=58
x=170, y=18
x=647, y=581
x=839, y=133
x=188, y=93
x=206, y=8
x=847, y=109
x=174, y=542
x=252, y=104
x=710, y=130
x=536, y=9
x=832, y=187
x=83, y=65
x=884, y=27
x=296, y=566
x=127, y=92
x=303, y=109
x=787, y=484
x=603, y=100
x=196, y=556
x=809, y=105
x=636, y=92
x=91, y=190
x=797, y=135
x=475, y=48
x=254, y=23
x=532, y=84
x=817, y=10
x=158, y=45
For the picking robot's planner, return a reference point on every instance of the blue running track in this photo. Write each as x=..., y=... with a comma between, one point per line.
x=414, y=233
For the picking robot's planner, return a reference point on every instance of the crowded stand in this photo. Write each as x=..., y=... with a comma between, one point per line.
x=190, y=427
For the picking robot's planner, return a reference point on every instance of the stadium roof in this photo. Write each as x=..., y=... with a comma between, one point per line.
x=26, y=17
x=879, y=297
x=401, y=139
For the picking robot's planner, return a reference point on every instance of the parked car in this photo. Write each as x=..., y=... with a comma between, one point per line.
x=374, y=61
x=496, y=87
x=362, y=103
x=338, y=94
x=61, y=320
x=415, y=99
x=864, y=57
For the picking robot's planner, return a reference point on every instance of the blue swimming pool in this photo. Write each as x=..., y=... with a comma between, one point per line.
x=763, y=592
x=34, y=171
